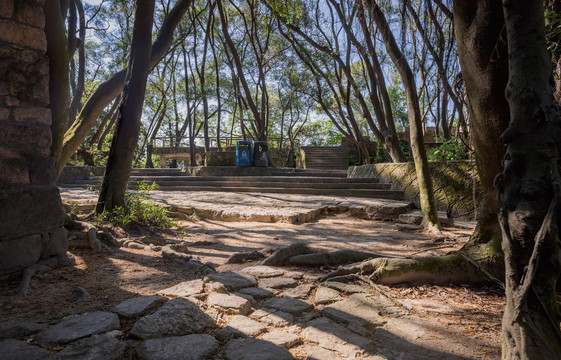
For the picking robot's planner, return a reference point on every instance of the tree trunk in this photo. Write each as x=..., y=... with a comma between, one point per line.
x=59, y=81
x=529, y=190
x=119, y=164
x=428, y=204
x=484, y=62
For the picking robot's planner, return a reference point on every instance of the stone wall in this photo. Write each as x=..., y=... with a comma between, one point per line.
x=31, y=213
x=453, y=183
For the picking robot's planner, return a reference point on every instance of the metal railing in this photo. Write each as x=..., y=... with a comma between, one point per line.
x=183, y=141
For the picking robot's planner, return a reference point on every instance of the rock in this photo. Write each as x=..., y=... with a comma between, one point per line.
x=176, y=318
x=19, y=329
x=231, y=304
x=152, y=240
x=114, y=333
x=262, y=271
x=272, y=317
x=258, y=293
x=345, y=288
x=280, y=256
x=224, y=334
x=232, y=280
x=278, y=283
x=332, y=336
x=281, y=338
x=139, y=306
x=294, y=274
x=184, y=289
x=246, y=296
x=300, y=292
x=355, y=310
x=318, y=353
x=19, y=350
x=96, y=347
x=241, y=257
x=80, y=294
x=325, y=295
x=175, y=254
x=190, y=347
x=244, y=326
x=254, y=349
x=289, y=305
x=75, y=327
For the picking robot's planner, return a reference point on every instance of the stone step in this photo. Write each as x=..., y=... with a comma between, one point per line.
x=367, y=193
x=245, y=179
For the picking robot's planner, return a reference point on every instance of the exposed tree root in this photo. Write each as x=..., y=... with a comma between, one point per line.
x=451, y=268
x=83, y=234
x=281, y=256
x=332, y=258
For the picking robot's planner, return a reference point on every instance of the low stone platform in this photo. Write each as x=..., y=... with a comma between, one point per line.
x=234, y=206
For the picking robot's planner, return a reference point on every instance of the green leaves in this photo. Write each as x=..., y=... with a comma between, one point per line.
x=451, y=149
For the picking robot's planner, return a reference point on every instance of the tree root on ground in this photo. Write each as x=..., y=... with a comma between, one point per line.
x=83, y=234
x=451, y=268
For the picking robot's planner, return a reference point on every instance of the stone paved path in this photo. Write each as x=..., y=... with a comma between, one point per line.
x=217, y=318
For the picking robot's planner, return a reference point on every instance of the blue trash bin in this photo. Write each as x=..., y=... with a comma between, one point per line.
x=243, y=153
x=260, y=150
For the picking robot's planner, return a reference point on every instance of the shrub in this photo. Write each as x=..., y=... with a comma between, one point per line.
x=139, y=208
x=451, y=149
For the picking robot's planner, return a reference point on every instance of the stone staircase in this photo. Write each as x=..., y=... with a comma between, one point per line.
x=307, y=182
x=322, y=157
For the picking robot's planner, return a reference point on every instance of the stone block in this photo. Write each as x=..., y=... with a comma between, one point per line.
x=31, y=139
x=14, y=168
x=54, y=243
x=6, y=8
x=22, y=35
x=4, y=114
x=31, y=13
x=19, y=253
x=29, y=210
x=25, y=75
x=42, y=170
x=33, y=115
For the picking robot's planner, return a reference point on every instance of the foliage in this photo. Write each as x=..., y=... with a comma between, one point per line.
x=451, y=149
x=139, y=208
x=553, y=34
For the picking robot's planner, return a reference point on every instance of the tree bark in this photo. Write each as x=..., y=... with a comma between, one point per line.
x=428, y=204
x=119, y=164
x=59, y=81
x=529, y=190
x=483, y=58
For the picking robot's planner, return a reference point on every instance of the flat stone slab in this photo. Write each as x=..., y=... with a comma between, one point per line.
x=232, y=304
x=176, y=318
x=314, y=352
x=189, y=347
x=278, y=283
x=325, y=295
x=75, y=327
x=257, y=293
x=184, y=289
x=273, y=317
x=357, y=310
x=254, y=349
x=332, y=336
x=300, y=292
x=262, y=271
x=232, y=280
x=96, y=347
x=244, y=326
x=345, y=288
x=288, y=304
x=282, y=338
x=19, y=329
x=137, y=307
x=20, y=350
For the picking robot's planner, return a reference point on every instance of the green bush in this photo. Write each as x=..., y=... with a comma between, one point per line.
x=451, y=149
x=139, y=208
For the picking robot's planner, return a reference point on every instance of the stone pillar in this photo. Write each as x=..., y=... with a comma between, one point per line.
x=31, y=212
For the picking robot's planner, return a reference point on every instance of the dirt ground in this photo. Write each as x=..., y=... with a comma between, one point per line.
x=458, y=322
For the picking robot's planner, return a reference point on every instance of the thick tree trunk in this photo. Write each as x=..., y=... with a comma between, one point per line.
x=59, y=81
x=110, y=89
x=119, y=164
x=529, y=190
x=428, y=204
x=483, y=58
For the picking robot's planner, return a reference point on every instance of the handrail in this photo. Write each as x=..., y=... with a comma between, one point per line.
x=179, y=141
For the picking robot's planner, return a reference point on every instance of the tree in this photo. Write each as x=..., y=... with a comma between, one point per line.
x=428, y=204
x=117, y=173
x=529, y=191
